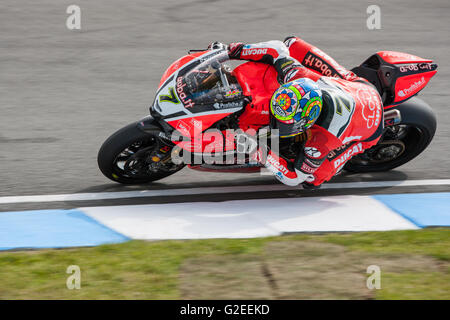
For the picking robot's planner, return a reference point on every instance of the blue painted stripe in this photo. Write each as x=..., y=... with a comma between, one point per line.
x=53, y=229
x=422, y=209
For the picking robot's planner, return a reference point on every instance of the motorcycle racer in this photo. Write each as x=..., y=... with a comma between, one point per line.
x=342, y=114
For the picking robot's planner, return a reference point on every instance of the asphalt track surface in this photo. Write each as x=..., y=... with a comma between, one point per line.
x=63, y=92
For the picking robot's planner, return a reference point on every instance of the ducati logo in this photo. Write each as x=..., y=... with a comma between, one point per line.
x=348, y=154
x=275, y=163
x=249, y=52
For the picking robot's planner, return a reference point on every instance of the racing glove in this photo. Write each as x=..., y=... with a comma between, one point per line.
x=216, y=45
x=281, y=168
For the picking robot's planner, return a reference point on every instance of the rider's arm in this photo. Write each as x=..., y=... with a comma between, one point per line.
x=319, y=144
x=275, y=53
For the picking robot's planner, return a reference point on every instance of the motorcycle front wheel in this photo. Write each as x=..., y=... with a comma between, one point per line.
x=131, y=156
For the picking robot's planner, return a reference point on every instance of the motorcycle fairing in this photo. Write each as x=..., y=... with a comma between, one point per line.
x=193, y=126
x=408, y=86
x=192, y=112
x=394, y=57
x=210, y=142
x=398, y=76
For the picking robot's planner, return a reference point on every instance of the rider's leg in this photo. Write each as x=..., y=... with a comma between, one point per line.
x=331, y=166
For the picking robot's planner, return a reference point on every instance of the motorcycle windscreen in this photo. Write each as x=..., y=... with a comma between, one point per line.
x=210, y=88
x=202, y=86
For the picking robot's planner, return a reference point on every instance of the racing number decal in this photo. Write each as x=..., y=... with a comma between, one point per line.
x=344, y=107
x=340, y=102
x=171, y=97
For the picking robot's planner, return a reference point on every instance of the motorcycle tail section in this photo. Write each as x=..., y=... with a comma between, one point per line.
x=398, y=76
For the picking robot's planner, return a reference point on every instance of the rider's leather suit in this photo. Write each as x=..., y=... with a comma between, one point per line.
x=351, y=120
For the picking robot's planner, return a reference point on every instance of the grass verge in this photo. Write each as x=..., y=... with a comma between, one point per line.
x=414, y=264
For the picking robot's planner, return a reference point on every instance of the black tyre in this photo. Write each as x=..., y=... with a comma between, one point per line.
x=401, y=143
x=126, y=157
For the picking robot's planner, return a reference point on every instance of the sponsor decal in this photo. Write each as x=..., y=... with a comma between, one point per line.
x=312, y=152
x=314, y=62
x=409, y=67
x=275, y=163
x=180, y=85
x=329, y=61
x=227, y=105
x=357, y=148
x=370, y=102
x=307, y=169
x=253, y=51
x=425, y=66
x=336, y=152
x=416, y=86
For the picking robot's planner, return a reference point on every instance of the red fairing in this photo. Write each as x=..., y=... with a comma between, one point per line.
x=395, y=57
x=414, y=73
x=191, y=127
x=407, y=86
x=178, y=64
x=209, y=142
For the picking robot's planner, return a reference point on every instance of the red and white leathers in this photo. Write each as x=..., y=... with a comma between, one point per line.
x=351, y=120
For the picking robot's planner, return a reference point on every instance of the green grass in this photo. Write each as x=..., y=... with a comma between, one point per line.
x=151, y=270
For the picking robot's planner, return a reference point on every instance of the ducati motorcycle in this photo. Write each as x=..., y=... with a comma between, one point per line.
x=200, y=99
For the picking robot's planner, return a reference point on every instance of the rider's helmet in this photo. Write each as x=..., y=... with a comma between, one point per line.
x=295, y=107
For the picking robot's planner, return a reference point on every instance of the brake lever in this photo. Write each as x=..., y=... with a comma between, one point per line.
x=196, y=50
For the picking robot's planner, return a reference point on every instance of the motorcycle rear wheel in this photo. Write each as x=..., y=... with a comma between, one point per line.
x=125, y=157
x=390, y=154
x=413, y=134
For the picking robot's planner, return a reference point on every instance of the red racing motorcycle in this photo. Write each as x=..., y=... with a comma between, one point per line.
x=203, y=105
